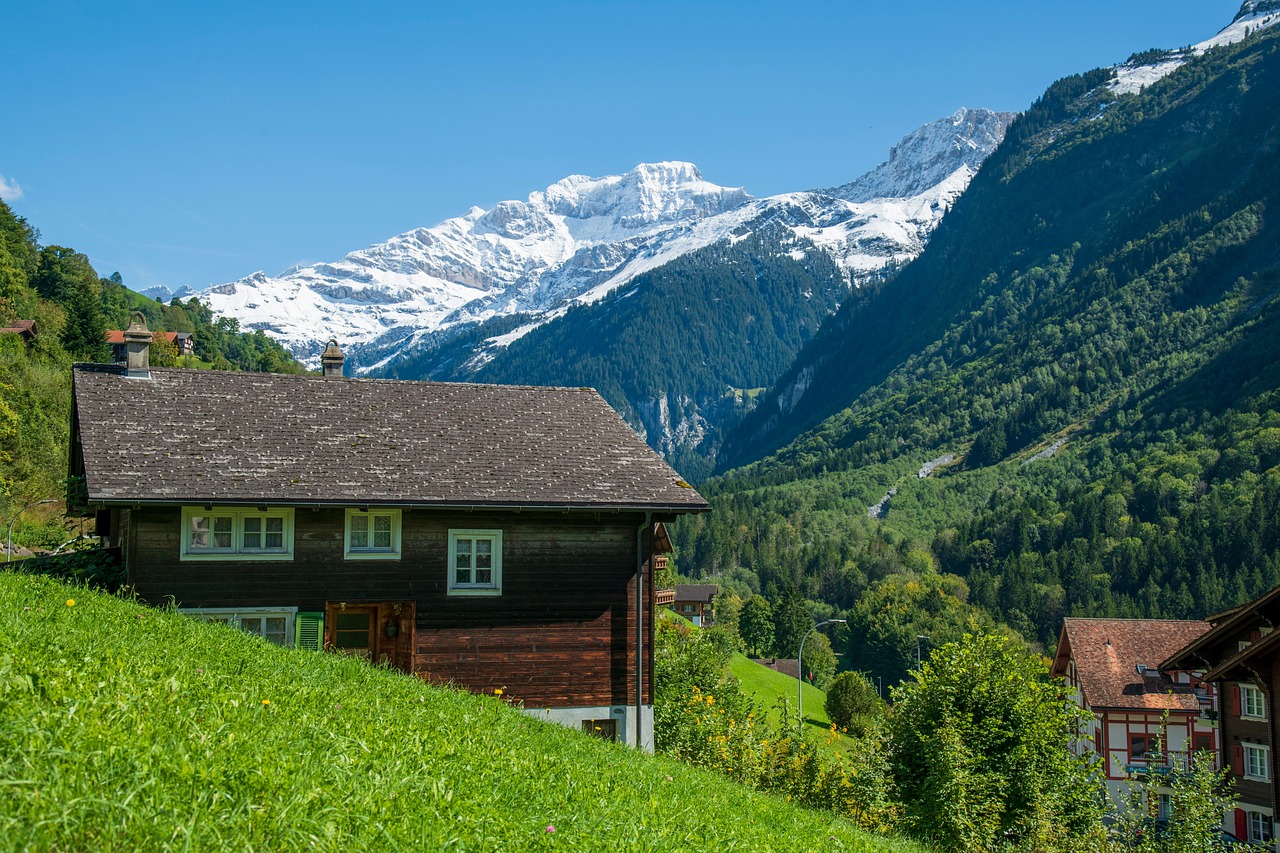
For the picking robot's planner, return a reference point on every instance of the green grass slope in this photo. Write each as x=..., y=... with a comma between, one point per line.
x=767, y=686
x=124, y=727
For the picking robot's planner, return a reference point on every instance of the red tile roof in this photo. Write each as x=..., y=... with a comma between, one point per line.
x=1107, y=653
x=116, y=336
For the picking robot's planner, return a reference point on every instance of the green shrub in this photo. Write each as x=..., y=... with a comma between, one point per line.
x=981, y=753
x=852, y=702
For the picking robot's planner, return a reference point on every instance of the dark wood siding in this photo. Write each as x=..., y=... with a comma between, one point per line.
x=562, y=633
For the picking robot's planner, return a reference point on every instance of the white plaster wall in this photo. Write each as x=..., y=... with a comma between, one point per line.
x=625, y=715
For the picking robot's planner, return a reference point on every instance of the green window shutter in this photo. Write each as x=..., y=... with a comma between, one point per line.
x=310, y=631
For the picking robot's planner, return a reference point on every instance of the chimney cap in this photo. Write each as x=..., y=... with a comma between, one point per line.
x=138, y=331
x=331, y=360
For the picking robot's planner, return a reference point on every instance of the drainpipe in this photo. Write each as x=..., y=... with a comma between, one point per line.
x=640, y=532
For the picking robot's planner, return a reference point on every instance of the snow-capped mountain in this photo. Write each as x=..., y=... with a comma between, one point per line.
x=582, y=237
x=1135, y=75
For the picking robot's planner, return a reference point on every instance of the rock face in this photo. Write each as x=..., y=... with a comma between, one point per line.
x=582, y=237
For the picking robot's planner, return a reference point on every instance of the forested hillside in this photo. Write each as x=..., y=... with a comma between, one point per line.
x=72, y=308
x=1093, y=334
x=681, y=351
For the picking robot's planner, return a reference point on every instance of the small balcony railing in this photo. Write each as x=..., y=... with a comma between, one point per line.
x=1166, y=764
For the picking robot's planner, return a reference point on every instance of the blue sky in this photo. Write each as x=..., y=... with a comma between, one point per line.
x=191, y=144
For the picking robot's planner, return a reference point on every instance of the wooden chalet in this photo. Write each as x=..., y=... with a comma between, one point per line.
x=492, y=537
x=1241, y=658
x=1147, y=718
x=693, y=601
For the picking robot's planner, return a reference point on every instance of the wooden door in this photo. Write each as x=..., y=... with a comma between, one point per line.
x=354, y=629
x=382, y=631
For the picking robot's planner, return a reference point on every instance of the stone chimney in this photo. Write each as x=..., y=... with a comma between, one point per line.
x=137, y=344
x=331, y=360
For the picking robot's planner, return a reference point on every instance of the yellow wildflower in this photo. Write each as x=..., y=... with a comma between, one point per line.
x=71, y=602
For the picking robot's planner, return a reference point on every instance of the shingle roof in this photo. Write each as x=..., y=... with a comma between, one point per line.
x=218, y=436
x=702, y=592
x=1107, y=653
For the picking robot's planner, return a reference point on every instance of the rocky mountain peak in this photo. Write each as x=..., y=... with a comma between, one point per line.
x=929, y=154
x=650, y=193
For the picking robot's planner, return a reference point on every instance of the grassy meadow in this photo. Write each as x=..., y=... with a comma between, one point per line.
x=767, y=686
x=126, y=727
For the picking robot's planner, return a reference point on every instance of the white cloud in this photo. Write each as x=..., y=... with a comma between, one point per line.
x=9, y=189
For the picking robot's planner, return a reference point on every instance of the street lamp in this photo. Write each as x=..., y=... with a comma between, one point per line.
x=919, y=637
x=9, y=541
x=800, y=666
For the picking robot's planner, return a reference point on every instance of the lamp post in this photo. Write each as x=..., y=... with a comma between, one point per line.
x=9, y=541
x=919, y=637
x=800, y=666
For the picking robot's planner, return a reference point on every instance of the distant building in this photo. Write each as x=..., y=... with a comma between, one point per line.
x=184, y=342
x=1147, y=718
x=1241, y=656
x=789, y=667
x=26, y=329
x=694, y=601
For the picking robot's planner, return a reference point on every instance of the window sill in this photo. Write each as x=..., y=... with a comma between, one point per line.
x=233, y=556
x=371, y=555
x=480, y=591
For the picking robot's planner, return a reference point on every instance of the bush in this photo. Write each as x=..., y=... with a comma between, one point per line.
x=981, y=753
x=852, y=702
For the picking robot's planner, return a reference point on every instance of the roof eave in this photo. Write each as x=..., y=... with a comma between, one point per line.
x=674, y=509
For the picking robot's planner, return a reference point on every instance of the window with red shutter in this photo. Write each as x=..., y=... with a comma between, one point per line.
x=1237, y=760
x=1235, y=700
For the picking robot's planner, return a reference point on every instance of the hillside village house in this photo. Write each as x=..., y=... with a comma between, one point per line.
x=1146, y=718
x=1241, y=658
x=694, y=601
x=183, y=342
x=494, y=537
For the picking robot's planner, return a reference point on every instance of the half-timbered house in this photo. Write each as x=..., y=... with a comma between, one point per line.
x=1145, y=720
x=492, y=537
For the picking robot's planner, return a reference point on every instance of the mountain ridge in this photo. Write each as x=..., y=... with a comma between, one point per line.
x=577, y=240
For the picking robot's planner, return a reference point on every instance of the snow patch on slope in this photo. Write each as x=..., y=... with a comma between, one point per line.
x=1254, y=16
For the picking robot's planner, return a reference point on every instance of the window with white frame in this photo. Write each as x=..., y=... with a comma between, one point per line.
x=372, y=534
x=231, y=533
x=1165, y=807
x=1252, y=703
x=1260, y=827
x=475, y=562
x=273, y=624
x=1257, y=762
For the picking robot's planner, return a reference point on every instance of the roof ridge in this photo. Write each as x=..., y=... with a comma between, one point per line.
x=99, y=367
